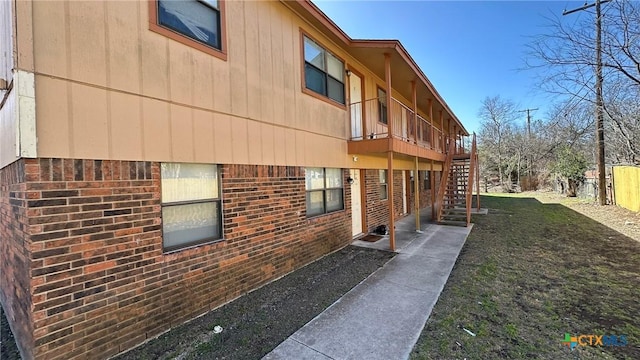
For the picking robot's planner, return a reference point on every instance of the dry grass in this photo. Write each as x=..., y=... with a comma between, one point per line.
x=529, y=273
x=617, y=218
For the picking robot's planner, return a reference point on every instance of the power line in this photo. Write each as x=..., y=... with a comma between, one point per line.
x=602, y=190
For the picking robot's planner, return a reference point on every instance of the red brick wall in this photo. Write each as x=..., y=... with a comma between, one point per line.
x=96, y=248
x=15, y=252
x=397, y=194
x=100, y=282
x=266, y=224
x=424, y=195
x=378, y=210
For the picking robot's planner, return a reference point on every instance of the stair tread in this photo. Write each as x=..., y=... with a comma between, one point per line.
x=454, y=217
x=454, y=223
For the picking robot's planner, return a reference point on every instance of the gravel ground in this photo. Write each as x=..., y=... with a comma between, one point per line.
x=255, y=323
x=8, y=348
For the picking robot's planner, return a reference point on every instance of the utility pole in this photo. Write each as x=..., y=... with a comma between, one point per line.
x=602, y=190
x=529, y=165
x=528, y=111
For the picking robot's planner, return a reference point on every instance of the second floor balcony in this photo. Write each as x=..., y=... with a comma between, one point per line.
x=409, y=133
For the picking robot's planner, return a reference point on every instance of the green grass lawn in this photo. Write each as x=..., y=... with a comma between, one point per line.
x=529, y=273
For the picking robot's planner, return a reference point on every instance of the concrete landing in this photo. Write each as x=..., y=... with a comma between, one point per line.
x=383, y=316
x=405, y=232
x=482, y=211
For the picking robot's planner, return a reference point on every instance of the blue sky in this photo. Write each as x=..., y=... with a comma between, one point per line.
x=468, y=49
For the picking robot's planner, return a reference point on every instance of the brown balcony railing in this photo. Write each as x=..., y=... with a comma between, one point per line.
x=369, y=121
x=402, y=122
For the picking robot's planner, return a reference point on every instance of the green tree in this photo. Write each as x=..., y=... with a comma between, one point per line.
x=571, y=164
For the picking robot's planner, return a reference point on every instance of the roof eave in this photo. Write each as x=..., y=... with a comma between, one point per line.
x=395, y=45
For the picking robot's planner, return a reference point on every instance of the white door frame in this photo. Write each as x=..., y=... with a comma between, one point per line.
x=357, y=223
x=404, y=192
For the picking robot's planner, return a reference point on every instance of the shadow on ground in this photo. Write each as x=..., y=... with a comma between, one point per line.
x=529, y=273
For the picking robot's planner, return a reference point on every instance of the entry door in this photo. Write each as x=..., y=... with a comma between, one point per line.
x=356, y=203
x=357, y=107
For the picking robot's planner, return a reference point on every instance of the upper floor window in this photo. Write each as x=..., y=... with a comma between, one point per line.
x=323, y=71
x=197, y=23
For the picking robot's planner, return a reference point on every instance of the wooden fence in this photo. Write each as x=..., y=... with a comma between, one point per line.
x=626, y=186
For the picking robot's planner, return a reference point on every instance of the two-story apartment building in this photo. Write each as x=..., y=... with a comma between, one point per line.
x=161, y=158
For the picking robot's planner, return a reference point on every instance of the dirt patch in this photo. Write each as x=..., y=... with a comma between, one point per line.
x=256, y=323
x=529, y=273
x=8, y=347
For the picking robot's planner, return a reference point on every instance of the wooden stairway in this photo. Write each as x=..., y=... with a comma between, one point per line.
x=456, y=188
x=454, y=202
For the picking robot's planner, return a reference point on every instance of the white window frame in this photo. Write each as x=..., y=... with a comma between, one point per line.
x=217, y=199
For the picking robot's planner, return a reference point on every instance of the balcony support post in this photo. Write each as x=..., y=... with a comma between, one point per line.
x=387, y=75
x=416, y=193
x=449, y=136
x=432, y=141
x=432, y=179
x=456, y=141
x=442, y=144
x=416, y=174
x=392, y=230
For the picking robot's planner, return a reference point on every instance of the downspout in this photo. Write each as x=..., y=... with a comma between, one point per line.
x=432, y=141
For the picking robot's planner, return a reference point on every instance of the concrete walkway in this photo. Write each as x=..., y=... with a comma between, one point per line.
x=383, y=316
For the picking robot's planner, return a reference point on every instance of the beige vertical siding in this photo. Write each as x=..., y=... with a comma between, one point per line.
x=109, y=88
